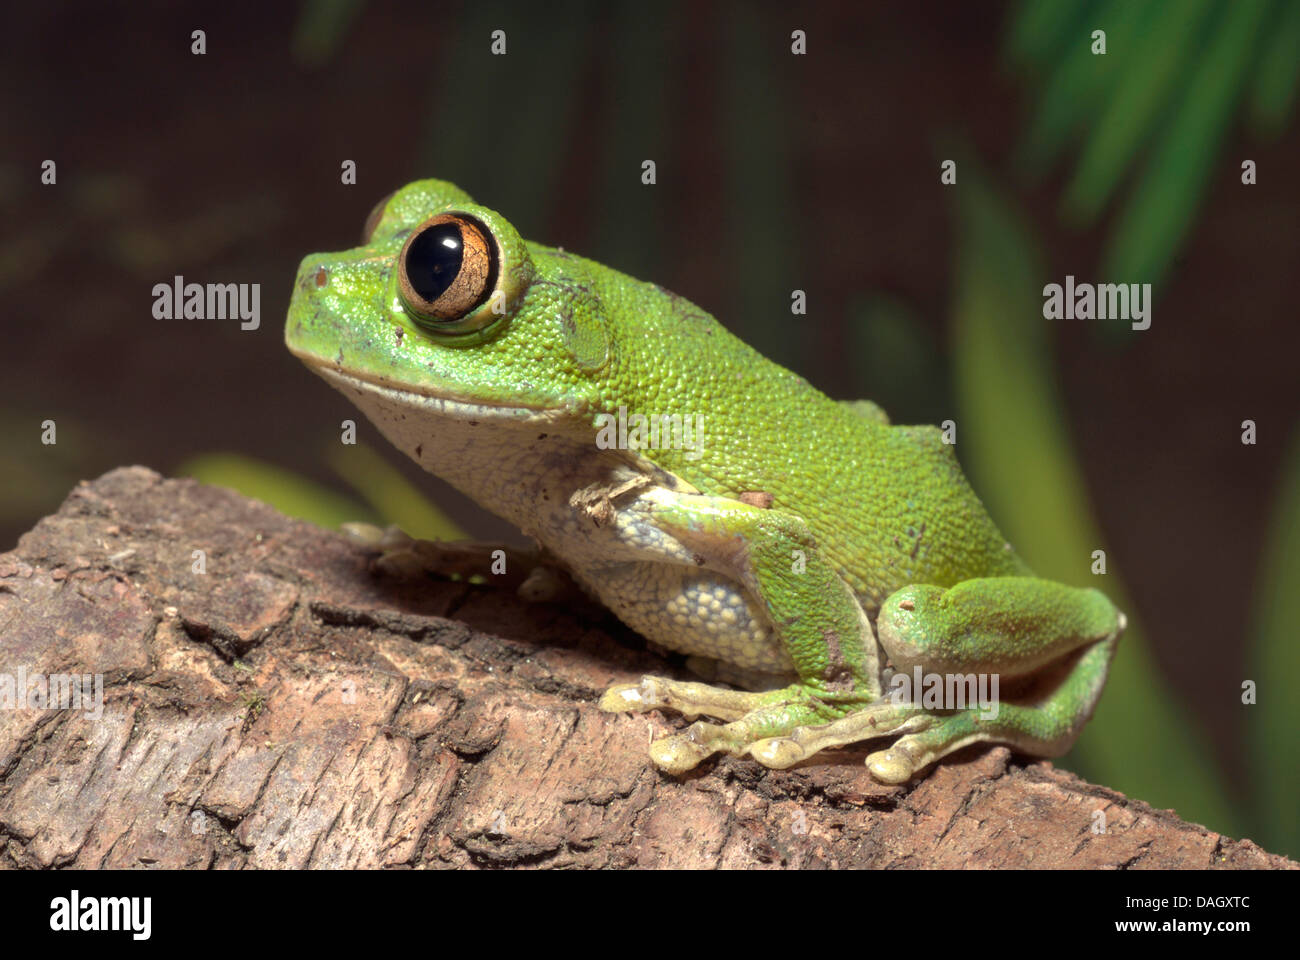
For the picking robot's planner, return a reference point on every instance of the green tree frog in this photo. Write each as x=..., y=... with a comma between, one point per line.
x=802, y=549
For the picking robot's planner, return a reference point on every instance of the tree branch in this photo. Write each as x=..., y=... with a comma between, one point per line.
x=287, y=708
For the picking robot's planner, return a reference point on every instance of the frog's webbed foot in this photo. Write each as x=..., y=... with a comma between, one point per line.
x=777, y=728
x=923, y=738
x=784, y=727
x=755, y=717
x=881, y=719
x=687, y=698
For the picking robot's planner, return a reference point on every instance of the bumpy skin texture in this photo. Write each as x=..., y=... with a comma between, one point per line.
x=778, y=545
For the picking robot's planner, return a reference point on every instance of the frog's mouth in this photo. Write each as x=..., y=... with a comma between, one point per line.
x=365, y=390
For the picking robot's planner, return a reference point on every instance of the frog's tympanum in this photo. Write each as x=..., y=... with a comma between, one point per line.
x=837, y=567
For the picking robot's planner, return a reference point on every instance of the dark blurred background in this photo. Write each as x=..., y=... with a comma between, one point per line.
x=775, y=172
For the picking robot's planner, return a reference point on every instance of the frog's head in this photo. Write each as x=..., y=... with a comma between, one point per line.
x=445, y=307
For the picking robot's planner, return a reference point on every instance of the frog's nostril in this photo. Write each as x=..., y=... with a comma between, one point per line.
x=322, y=277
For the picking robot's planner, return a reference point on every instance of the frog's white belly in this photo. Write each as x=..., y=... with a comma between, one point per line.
x=694, y=611
x=525, y=466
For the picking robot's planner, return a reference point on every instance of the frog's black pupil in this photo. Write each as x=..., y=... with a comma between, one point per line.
x=433, y=260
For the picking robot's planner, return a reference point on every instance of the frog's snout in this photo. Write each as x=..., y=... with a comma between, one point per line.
x=313, y=273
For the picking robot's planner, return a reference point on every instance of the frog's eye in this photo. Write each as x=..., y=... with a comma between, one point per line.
x=372, y=221
x=447, y=267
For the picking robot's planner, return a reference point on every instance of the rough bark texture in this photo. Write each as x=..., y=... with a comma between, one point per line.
x=287, y=708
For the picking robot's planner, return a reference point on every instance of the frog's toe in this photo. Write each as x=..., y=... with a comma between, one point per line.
x=779, y=732
x=891, y=766
x=927, y=740
x=632, y=697
x=778, y=753
x=864, y=723
x=689, y=699
x=683, y=751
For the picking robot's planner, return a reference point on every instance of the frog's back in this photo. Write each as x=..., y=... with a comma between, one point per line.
x=909, y=517
x=889, y=505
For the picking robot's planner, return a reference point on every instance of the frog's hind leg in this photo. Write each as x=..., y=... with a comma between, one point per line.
x=685, y=697
x=780, y=714
x=1047, y=646
x=1046, y=728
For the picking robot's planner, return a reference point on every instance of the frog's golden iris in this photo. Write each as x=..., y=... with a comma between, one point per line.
x=447, y=267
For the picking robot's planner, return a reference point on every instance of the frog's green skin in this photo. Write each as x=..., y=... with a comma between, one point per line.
x=808, y=548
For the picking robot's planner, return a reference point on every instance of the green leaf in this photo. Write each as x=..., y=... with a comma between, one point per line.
x=1149, y=76
x=896, y=361
x=1162, y=206
x=1074, y=93
x=1277, y=73
x=1272, y=723
x=391, y=495
x=1012, y=436
x=1040, y=29
x=291, y=494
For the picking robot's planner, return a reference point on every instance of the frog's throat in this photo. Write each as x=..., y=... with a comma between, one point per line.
x=431, y=403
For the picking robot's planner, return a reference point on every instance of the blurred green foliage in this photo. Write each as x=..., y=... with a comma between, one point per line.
x=1014, y=440
x=390, y=495
x=289, y=492
x=896, y=359
x=1161, y=98
x=386, y=497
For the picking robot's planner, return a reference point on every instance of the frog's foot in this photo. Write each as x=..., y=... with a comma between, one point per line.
x=688, y=699
x=783, y=727
x=778, y=734
x=767, y=725
x=880, y=719
x=926, y=739
x=404, y=557
x=934, y=738
x=923, y=737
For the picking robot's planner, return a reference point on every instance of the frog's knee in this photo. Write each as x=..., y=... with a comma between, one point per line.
x=906, y=626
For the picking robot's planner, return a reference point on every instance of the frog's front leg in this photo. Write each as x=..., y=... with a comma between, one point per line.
x=812, y=611
x=1048, y=645
x=400, y=556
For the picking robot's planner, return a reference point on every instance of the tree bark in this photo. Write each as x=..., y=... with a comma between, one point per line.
x=288, y=708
